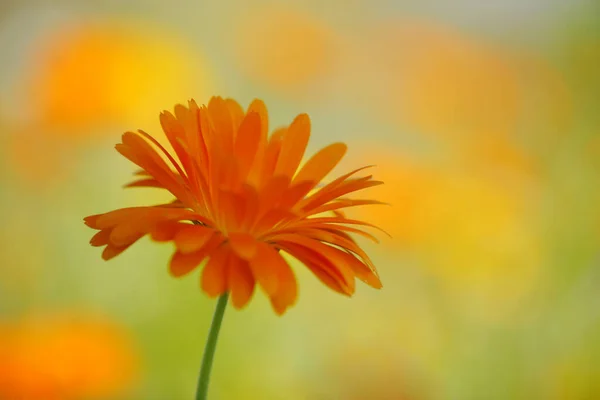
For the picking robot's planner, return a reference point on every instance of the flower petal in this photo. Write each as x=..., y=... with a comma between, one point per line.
x=269, y=161
x=138, y=151
x=365, y=271
x=101, y=238
x=111, y=250
x=344, y=203
x=214, y=275
x=151, y=182
x=236, y=111
x=192, y=238
x=320, y=164
x=247, y=142
x=314, y=265
x=258, y=106
x=182, y=264
x=330, y=260
x=334, y=220
x=223, y=123
x=331, y=185
x=240, y=281
x=293, y=146
x=244, y=245
x=341, y=190
x=165, y=231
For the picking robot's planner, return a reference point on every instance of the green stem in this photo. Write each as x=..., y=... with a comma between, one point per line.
x=211, y=345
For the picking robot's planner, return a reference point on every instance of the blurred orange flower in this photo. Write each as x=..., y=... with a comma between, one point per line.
x=63, y=358
x=84, y=78
x=444, y=83
x=247, y=201
x=100, y=73
x=285, y=49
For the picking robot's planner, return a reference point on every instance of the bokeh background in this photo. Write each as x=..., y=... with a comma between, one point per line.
x=481, y=116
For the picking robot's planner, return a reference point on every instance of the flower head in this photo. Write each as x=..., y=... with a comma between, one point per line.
x=241, y=199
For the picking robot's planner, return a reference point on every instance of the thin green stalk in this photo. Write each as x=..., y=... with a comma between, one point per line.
x=211, y=345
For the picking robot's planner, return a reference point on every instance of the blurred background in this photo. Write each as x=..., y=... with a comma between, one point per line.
x=482, y=119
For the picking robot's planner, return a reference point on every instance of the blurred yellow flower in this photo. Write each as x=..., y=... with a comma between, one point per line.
x=285, y=49
x=94, y=74
x=64, y=357
x=475, y=232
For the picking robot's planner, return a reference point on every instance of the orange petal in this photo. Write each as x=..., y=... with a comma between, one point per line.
x=247, y=142
x=340, y=190
x=270, y=158
x=305, y=257
x=182, y=264
x=328, y=259
x=319, y=165
x=128, y=231
x=145, y=183
x=193, y=137
x=192, y=238
x=311, y=222
x=143, y=150
x=275, y=276
x=258, y=106
x=265, y=266
x=92, y=221
x=174, y=132
x=331, y=185
x=139, y=221
x=240, y=281
x=270, y=219
x=287, y=294
x=236, y=111
x=361, y=271
x=168, y=180
x=231, y=209
x=165, y=231
x=112, y=218
x=254, y=176
x=214, y=274
x=293, y=146
x=344, y=203
x=223, y=123
x=101, y=238
x=295, y=192
x=111, y=251
x=243, y=244
x=341, y=229
x=272, y=193
x=344, y=241
x=157, y=213
x=251, y=206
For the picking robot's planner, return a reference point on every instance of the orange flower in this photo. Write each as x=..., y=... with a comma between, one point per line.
x=240, y=199
x=65, y=357
x=285, y=49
